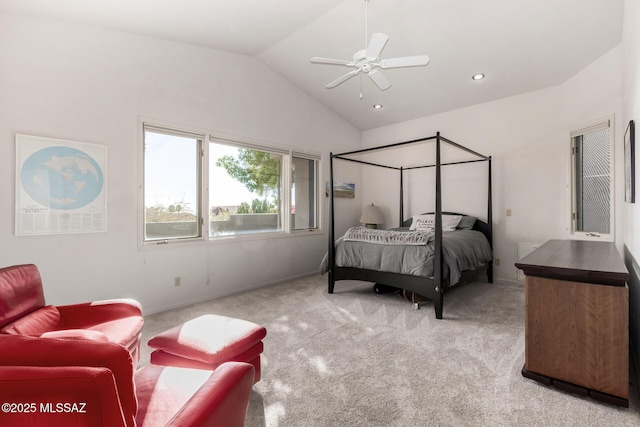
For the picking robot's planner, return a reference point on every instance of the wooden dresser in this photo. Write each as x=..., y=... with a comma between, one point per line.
x=577, y=319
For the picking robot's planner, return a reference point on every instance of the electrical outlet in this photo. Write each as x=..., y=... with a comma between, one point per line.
x=496, y=262
x=508, y=212
x=176, y=281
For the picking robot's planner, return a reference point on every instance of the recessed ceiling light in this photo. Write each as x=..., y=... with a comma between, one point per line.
x=478, y=76
x=377, y=106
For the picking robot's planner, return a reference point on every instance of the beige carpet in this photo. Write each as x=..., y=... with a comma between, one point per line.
x=356, y=358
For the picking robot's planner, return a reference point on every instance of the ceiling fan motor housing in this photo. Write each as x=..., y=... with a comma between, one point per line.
x=361, y=60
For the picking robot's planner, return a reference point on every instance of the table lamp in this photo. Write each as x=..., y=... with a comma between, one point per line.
x=371, y=216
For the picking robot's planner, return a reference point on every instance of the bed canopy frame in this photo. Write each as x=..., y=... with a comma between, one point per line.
x=432, y=288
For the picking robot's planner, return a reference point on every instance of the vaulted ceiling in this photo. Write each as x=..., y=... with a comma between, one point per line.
x=520, y=45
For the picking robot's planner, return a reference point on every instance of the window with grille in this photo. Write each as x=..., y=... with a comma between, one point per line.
x=592, y=189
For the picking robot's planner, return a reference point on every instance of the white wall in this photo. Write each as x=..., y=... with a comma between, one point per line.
x=87, y=84
x=631, y=111
x=630, y=213
x=528, y=138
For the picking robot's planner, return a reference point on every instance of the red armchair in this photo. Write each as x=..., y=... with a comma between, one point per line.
x=23, y=312
x=71, y=382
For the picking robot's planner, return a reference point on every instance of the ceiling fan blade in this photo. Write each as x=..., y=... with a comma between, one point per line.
x=405, y=61
x=379, y=79
x=378, y=40
x=330, y=61
x=343, y=78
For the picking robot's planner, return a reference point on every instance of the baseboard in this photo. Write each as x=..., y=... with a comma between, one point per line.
x=503, y=281
x=235, y=291
x=634, y=314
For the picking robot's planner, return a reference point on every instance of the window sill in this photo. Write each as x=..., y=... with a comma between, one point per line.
x=233, y=238
x=263, y=236
x=592, y=238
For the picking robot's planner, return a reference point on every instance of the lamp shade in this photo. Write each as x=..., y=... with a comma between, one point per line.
x=371, y=216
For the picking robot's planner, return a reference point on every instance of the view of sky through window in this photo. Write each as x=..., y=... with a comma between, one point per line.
x=166, y=186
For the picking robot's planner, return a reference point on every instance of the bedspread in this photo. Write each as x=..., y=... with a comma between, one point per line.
x=462, y=250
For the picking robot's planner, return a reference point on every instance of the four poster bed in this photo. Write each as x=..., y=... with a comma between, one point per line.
x=427, y=264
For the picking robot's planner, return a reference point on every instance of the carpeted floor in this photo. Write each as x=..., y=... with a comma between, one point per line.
x=356, y=358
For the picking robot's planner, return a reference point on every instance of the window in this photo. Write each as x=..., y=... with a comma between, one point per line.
x=592, y=189
x=249, y=188
x=172, y=171
x=245, y=189
x=304, y=192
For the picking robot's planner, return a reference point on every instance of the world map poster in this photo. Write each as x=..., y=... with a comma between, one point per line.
x=60, y=186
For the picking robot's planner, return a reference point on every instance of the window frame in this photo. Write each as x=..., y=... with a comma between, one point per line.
x=265, y=149
x=203, y=195
x=317, y=159
x=603, y=123
x=200, y=193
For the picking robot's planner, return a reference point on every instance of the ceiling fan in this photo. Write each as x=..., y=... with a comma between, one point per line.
x=368, y=61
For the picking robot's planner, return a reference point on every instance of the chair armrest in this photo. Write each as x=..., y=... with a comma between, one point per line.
x=221, y=401
x=63, y=395
x=91, y=313
x=182, y=397
x=19, y=350
x=127, y=301
x=77, y=334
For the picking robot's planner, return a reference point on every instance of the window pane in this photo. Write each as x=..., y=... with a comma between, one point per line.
x=593, y=182
x=171, y=186
x=245, y=189
x=304, y=194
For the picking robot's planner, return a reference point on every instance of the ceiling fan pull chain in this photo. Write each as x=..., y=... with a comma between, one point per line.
x=366, y=23
x=366, y=36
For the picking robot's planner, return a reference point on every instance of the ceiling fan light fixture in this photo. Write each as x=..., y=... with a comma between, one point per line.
x=478, y=76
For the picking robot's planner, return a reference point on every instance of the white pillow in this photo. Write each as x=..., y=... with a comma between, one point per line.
x=423, y=223
x=428, y=222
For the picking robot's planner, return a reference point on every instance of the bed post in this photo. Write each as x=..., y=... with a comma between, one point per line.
x=332, y=249
x=490, y=226
x=401, y=199
x=437, y=259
